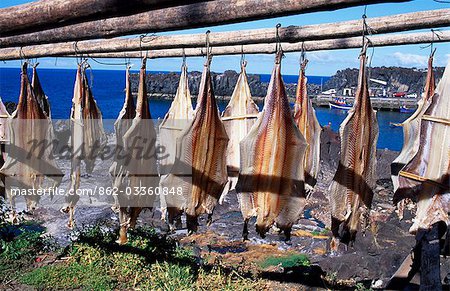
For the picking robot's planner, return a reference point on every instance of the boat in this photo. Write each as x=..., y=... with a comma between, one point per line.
x=339, y=103
x=404, y=109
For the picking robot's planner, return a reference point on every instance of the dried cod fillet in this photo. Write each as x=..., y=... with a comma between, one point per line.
x=87, y=137
x=426, y=178
x=238, y=118
x=139, y=143
x=39, y=93
x=271, y=177
x=27, y=163
x=122, y=124
x=4, y=138
x=411, y=127
x=176, y=119
x=200, y=168
x=351, y=188
x=306, y=120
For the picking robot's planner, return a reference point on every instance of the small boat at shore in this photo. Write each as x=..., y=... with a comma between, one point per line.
x=339, y=103
x=405, y=109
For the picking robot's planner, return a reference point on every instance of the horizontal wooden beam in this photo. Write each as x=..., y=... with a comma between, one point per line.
x=330, y=44
x=41, y=15
x=182, y=17
x=291, y=34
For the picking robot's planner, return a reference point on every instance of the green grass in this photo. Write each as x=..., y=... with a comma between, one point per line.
x=148, y=261
x=289, y=261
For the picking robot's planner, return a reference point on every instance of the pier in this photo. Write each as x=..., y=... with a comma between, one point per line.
x=379, y=103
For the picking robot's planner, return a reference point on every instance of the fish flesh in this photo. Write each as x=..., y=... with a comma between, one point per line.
x=271, y=177
x=411, y=127
x=39, y=93
x=122, y=124
x=4, y=138
x=411, y=133
x=29, y=158
x=177, y=118
x=87, y=137
x=199, y=172
x=426, y=178
x=351, y=191
x=306, y=121
x=238, y=118
x=142, y=173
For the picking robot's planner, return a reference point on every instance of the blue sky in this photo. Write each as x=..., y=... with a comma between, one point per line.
x=323, y=63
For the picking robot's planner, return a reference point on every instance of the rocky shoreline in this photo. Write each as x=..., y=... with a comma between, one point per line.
x=373, y=259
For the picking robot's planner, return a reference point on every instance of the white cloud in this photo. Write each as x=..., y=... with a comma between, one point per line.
x=410, y=60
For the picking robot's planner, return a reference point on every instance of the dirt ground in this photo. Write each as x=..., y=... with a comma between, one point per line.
x=373, y=258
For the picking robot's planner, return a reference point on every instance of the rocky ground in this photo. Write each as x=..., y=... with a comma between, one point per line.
x=372, y=260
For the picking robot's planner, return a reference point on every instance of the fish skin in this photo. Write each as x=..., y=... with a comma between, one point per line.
x=87, y=137
x=432, y=163
x=351, y=191
x=39, y=93
x=306, y=120
x=411, y=127
x=240, y=104
x=271, y=178
x=27, y=124
x=176, y=119
x=201, y=152
x=122, y=124
x=139, y=144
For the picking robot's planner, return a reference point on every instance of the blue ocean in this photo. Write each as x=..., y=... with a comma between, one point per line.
x=108, y=89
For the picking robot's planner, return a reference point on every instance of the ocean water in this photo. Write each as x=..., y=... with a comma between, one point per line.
x=108, y=89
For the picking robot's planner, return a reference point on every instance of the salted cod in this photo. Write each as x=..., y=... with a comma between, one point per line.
x=426, y=178
x=411, y=127
x=39, y=93
x=4, y=138
x=87, y=137
x=122, y=124
x=142, y=173
x=30, y=157
x=351, y=191
x=271, y=177
x=176, y=119
x=199, y=172
x=238, y=118
x=306, y=121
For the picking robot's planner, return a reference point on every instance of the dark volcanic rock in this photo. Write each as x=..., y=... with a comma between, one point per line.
x=398, y=79
x=224, y=83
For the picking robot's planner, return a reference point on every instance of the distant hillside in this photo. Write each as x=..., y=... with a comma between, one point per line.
x=398, y=79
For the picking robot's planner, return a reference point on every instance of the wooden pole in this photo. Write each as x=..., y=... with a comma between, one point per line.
x=330, y=44
x=188, y=16
x=49, y=14
x=393, y=23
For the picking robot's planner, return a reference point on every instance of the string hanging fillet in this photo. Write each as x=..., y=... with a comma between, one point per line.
x=175, y=121
x=26, y=165
x=140, y=146
x=271, y=178
x=200, y=169
x=351, y=191
x=118, y=169
x=426, y=178
x=306, y=120
x=411, y=131
x=238, y=118
x=87, y=137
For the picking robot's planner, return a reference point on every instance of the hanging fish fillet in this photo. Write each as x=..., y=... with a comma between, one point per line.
x=351, y=188
x=306, y=120
x=271, y=177
x=201, y=150
x=4, y=138
x=29, y=158
x=39, y=93
x=87, y=136
x=411, y=127
x=139, y=143
x=176, y=119
x=426, y=178
x=122, y=124
x=238, y=118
